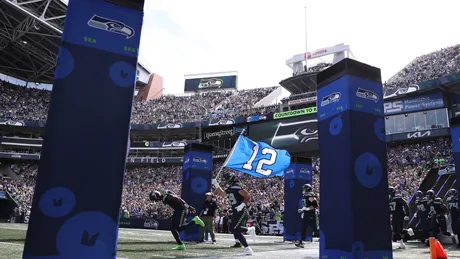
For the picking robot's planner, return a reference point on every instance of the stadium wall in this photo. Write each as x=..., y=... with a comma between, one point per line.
x=153, y=89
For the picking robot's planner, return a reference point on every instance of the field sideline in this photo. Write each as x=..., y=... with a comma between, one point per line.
x=152, y=244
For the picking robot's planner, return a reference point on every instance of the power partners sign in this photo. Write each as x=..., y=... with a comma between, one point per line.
x=413, y=104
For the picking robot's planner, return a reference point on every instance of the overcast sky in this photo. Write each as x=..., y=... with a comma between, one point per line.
x=256, y=37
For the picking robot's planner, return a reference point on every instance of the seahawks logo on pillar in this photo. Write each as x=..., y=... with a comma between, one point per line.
x=332, y=98
x=110, y=25
x=366, y=94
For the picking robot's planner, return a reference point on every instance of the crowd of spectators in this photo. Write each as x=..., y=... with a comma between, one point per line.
x=407, y=167
x=407, y=164
x=30, y=104
x=427, y=67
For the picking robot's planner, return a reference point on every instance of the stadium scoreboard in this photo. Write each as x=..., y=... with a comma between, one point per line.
x=212, y=81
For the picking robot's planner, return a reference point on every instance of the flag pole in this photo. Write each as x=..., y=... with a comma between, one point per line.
x=229, y=155
x=306, y=48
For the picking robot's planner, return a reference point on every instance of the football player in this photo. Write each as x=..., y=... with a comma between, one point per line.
x=308, y=214
x=452, y=203
x=239, y=199
x=438, y=212
x=399, y=212
x=181, y=209
x=422, y=214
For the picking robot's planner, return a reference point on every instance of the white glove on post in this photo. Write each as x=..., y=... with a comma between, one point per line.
x=215, y=184
x=240, y=207
x=406, y=218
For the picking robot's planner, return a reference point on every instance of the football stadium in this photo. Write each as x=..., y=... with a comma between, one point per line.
x=344, y=166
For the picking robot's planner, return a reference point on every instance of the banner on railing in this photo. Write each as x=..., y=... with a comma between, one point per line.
x=446, y=169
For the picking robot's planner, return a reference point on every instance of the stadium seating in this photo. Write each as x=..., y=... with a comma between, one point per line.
x=427, y=67
x=29, y=104
x=407, y=164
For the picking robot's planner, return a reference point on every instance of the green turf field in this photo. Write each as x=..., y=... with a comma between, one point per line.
x=153, y=244
x=137, y=244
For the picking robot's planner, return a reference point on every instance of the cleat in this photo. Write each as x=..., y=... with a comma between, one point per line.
x=198, y=221
x=179, y=247
x=402, y=245
x=247, y=251
x=299, y=244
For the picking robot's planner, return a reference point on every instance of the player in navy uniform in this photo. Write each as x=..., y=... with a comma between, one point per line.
x=438, y=217
x=399, y=212
x=181, y=209
x=452, y=204
x=422, y=214
x=308, y=214
x=239, y=199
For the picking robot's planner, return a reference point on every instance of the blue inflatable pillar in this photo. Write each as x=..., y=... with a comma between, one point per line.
x=455, y=135
x=196, y=182
x=296, y=175
x=75, y=208
x=354, y=218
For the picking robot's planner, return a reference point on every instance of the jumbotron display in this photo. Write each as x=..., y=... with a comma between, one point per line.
x=296, y=134
x=210, y=83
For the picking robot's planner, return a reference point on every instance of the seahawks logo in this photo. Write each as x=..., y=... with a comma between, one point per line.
x=332, y=98
x=304, y=171
x=199, y=160
x=12, y=123
x=110, y=25
x=210, y=82
x=170, y=126
x=221, y=122
x=366, y=94
x=292, y=133
x=150, y=223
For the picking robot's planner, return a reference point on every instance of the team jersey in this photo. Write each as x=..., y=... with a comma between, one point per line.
x=431, y=212
x=452, y=204
x=307, y=203
x=422, y=206
x=234, y=196
x=396, y=206
x=173, y=203
x=438, y=207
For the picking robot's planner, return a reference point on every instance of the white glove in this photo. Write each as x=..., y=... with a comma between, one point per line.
x=415, y=214
x=406, y=218
x=240, y=207
x=215, y=184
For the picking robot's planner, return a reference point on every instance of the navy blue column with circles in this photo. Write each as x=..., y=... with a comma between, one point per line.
x=75, y=208
x=196, y=182
x=455, y=135
x=296, y=175
x=354, y=180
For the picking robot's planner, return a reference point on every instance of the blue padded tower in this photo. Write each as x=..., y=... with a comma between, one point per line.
x=296, y=175
x=353, y=177
x=75, y=208
x=196, y=181
x=455, y=135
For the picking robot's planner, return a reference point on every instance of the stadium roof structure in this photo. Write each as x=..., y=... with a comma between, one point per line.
x=30, y=38
x=301, y=83
x=30, y=34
